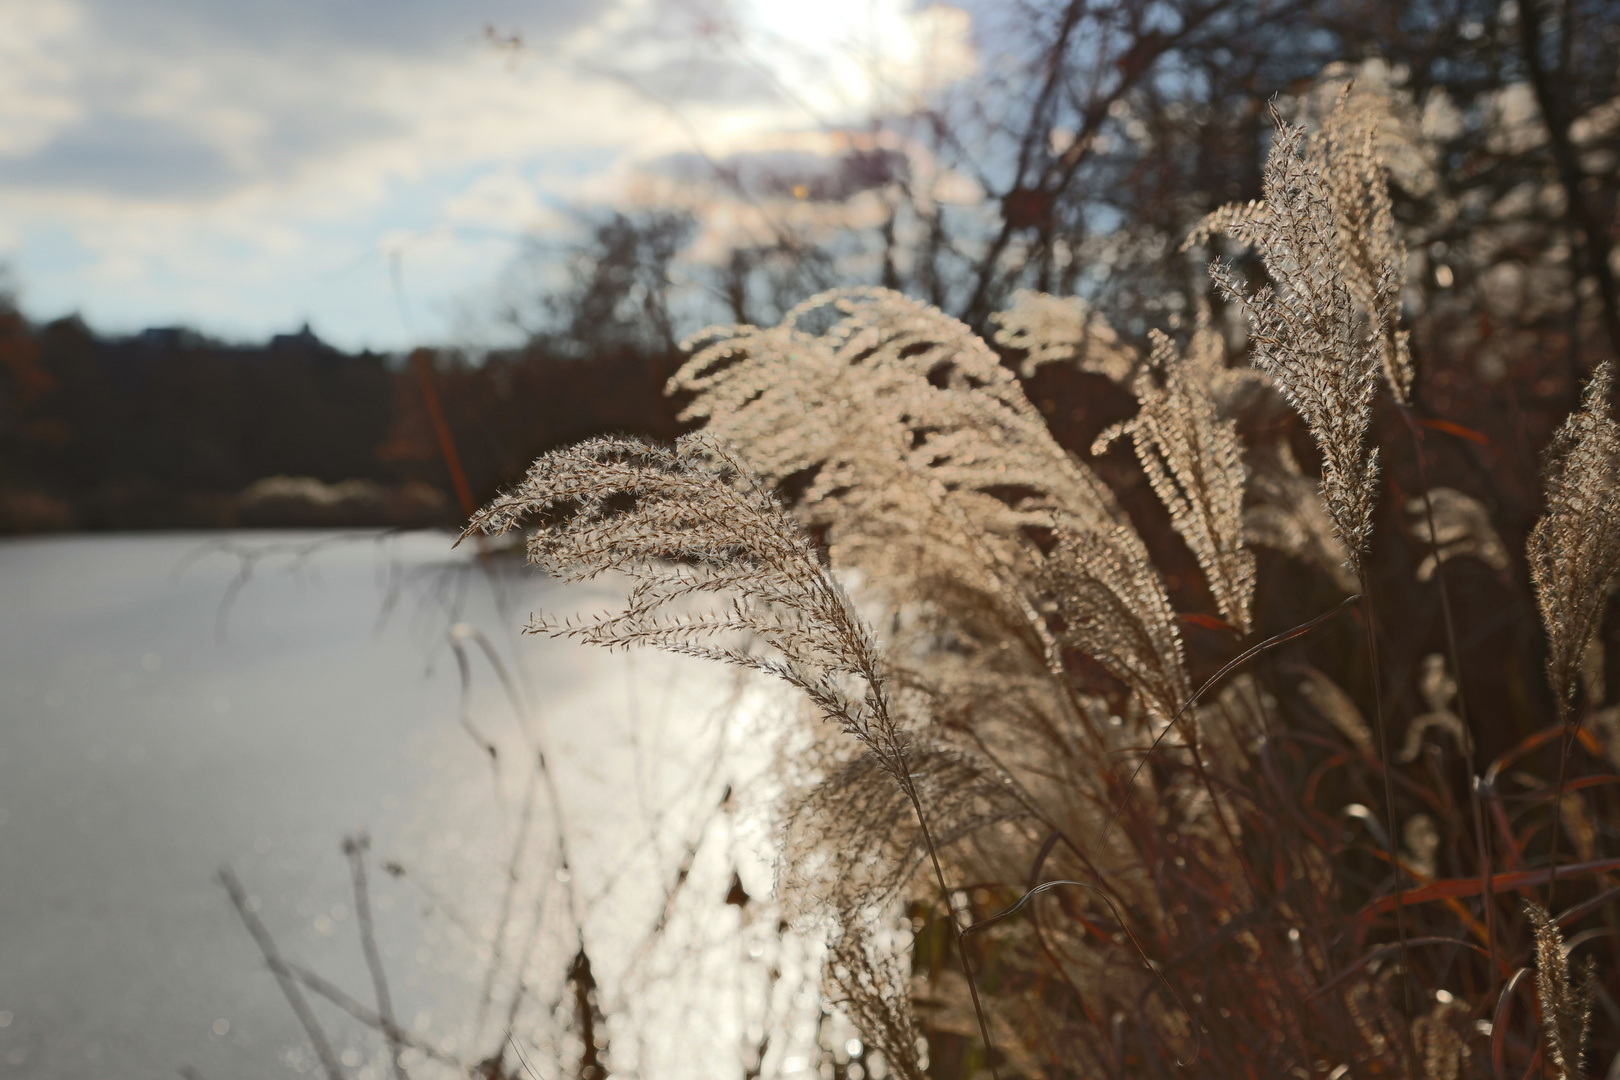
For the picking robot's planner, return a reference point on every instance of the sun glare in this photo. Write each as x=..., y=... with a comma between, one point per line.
x=863, y=56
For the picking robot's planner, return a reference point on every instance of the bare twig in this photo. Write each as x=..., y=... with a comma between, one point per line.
x=355, y=847
x=332, y=992
x=284, y=976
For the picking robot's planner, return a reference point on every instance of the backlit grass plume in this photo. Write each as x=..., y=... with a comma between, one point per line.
x=1307, y=332
x=1194, y=463
x=1140, y=884
x=1574, y=557
x=1566, y=1007
x=1374, y=257
x=687, y=523
x=1049, y=329
x=918, y=453
x=1574, y=550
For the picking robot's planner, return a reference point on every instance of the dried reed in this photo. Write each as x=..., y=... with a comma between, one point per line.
x=1028, y=719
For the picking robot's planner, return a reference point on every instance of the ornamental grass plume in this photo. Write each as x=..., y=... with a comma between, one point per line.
x=1566, y=1008
x=690, y=523
x=1574, y=550
x=1574, y=556
x=1374, y=256
x=1308, y=335
x=1194, y=463
x=1066, y=835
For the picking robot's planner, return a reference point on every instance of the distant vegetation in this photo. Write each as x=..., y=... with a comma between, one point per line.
x=168, y=429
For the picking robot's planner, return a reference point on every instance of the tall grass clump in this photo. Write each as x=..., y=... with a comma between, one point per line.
x=1079, y=804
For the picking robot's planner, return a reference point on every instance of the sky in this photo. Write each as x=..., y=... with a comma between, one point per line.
x=372, y=167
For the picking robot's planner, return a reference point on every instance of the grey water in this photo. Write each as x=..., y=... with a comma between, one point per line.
x=170, y=704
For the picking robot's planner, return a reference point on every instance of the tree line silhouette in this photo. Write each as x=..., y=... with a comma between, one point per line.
x=171, y=429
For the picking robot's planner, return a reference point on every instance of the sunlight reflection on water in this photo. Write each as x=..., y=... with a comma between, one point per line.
x=148, y=735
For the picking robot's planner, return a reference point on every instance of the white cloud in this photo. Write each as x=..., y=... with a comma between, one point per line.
x=35, y=78
x=243, y=165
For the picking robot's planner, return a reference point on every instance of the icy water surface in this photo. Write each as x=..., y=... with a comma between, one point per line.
x=167, y=707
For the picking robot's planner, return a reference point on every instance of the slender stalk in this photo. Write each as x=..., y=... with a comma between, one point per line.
x=284, y=976
x=891, y=749
x=956, y=927
x=1196, y=747
x=354, y=847
x=1558, y=798
x=331, y=992
x=1389, y=815
x=1481, y=842
x=514, y=877
x=902, y=773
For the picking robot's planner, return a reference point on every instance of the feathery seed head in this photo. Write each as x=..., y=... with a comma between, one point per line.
x=685, y=524
x=1566, y=1009
x=1305, y=330
x=1574, y=550
x=1195, y=465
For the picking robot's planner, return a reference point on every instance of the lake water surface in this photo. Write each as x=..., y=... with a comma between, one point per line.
x=173, y=703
